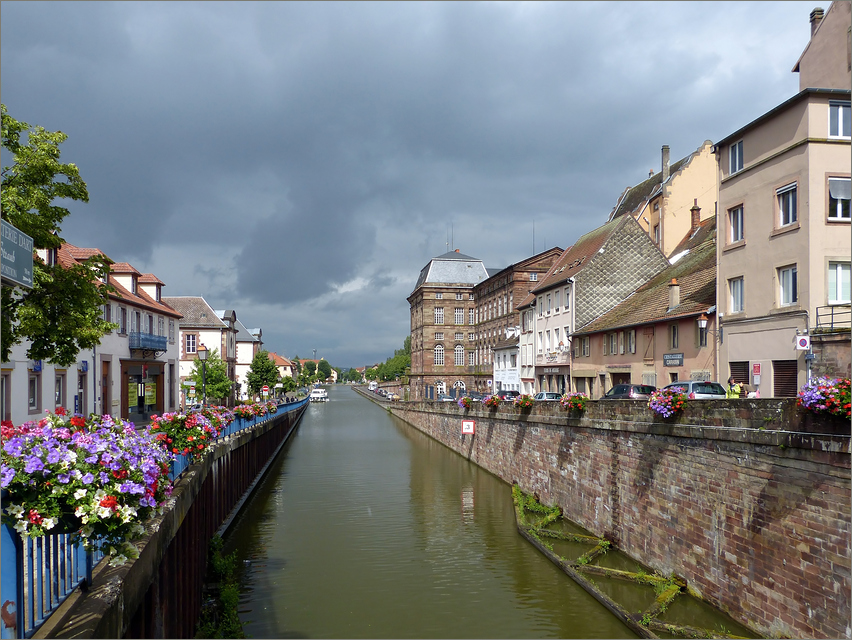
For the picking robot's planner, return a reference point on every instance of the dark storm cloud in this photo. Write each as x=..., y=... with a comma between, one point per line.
x=293, y=159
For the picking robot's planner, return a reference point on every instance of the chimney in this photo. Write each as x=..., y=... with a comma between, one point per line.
x=696, y=215
x=651, y=173
x=457, y=250
x=665, y=162
x=816, y=18
x=674, y=294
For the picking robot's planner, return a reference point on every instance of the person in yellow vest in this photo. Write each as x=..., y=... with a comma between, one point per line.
x=733, y=388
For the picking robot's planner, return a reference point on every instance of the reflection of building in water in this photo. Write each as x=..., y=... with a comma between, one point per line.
x=467, y=504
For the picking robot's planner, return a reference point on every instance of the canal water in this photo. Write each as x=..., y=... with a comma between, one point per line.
x=366, y=528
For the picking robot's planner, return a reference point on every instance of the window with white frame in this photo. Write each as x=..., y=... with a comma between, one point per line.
x=735, y=224
x=656, y=234
x=839, y=124
x=470, y=316
x=533, y=277
x=547, y=341
x=122, y=320
x=161, y=326
x=34, y=392
x=471, y=358
x=471, y=337
x=459, y=335
x=458, y=356
x=439, y=296
x=59, y=390
x=556, y=337
x=787, y=285
x=540, y=306
x=673, y=336
x=631, y=341
x=540, y=341
x=786, y=197
x=171, y=331
x=439, y=355
x=839, y=195
x=585, y=346
x=470, y=296
x=557, y=300
x=838, y=283
x=736, y=291
x=439, y=335
x=735, y=156
x=439, y=315
x=459, y=296
x=191, y=341
x=567, y=296
x=458, y=315
x=613, y=344
x=549, y=306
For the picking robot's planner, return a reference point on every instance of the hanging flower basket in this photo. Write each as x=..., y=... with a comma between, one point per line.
x=98, y=478
x=668, y=402
x=464, y=402
x=826, y=396
x=524, y=401
x=184, y=434
x=492, y=402
x=575, y=401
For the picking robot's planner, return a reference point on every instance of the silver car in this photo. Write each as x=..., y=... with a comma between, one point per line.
x=703, y=389
x=551, y=396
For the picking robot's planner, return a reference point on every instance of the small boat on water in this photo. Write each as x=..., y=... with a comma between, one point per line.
x=319, y=395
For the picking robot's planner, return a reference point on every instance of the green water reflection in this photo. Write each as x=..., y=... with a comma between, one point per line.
x=366, y=528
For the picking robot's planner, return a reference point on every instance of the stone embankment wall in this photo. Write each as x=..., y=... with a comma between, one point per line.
x=748, y=500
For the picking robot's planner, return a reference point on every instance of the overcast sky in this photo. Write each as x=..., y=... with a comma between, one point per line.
x=301, y=162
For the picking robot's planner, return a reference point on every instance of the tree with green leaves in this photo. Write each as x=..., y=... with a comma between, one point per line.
x=288, y=384
x=212, y=377
x=262, y=372
x=61, y=315
x=311, y=368
x=323, y=370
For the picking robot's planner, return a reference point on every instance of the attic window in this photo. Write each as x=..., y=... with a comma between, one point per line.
x=203, y=314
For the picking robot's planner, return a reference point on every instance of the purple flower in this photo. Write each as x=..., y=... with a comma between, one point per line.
x=53, y=456
x=64, y=478
x=132, y=487
x=104, y=477
x=33, y=463
x=87, y=478
x=14, y=447
x=6, y=475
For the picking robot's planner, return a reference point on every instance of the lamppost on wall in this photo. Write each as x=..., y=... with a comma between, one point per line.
x=202, y=355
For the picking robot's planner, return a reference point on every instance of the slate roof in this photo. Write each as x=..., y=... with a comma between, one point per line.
x=196, y=312
x=68, y=254
x=695, y=273
x=243, y=334
x=453, y=268
x=577, y=256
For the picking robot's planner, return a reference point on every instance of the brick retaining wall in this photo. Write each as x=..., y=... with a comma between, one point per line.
x=748, y=500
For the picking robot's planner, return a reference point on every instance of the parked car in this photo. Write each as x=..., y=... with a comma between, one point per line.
x=703, y=389
x=508, y=395
x=443, y=397
x=630, y=392
x=548, y=396
x=392, y=395
x=195, y=408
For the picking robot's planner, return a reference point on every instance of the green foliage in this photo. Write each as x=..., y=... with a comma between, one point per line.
x=311, y=368
x=219, y=618
x=323, y=370
x=288, y=384
x=212, y=377
x=261, y=372
x=61, y=314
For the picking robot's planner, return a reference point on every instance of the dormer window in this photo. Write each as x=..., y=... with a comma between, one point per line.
x=157, y=293
x=133, y=284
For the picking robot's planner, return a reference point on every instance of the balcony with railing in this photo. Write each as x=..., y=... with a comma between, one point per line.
x=833, y=318
x=148, y=341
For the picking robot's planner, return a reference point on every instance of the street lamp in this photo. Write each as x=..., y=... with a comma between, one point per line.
x=202, y=355
x=702, y=324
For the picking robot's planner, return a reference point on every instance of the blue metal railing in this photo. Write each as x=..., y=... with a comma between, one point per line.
x=139, y=340
x=39, y=574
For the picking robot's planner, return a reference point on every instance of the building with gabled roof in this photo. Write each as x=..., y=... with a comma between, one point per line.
x=600, y=270
x=203, y=325
x=653, y=337
x=496, y=314
x=131, y=374
x=248, y=343
x=662, y=203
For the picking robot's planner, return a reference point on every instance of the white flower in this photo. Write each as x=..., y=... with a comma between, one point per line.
x=21, y=527
x=87, y=531
x=49, y=523
x=117, y=560
x=137, y=530
x=84, y=518
x=15, y=510
x=103, y=512
x=79, y=493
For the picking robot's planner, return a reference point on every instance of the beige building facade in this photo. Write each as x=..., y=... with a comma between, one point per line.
x=784, y=223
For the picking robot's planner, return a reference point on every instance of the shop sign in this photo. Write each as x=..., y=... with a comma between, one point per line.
x=672, y=359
